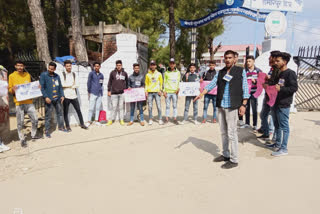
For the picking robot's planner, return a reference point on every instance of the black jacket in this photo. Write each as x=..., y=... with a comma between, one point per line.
x=118, y=82
x=136, y=80
x=209, y=75
x=285, y=95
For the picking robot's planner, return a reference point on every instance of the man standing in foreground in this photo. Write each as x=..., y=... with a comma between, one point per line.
x=172, y=79
x=232, y=97
x=136, y=80
x=118, y=82
x=20, y=76
x=70, y=85
x=286, y=88
x=52, y=92
x=153, y=89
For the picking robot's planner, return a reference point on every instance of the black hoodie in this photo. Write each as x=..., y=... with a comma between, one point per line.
x=118, y=82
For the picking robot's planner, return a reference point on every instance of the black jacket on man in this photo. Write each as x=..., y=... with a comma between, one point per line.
x=136, y=80
x=118, y=81
x=290, y=86
x=209, y=75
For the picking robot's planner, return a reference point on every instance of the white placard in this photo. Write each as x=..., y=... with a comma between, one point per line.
x=134, y=95
x=282, y=5
x=3, y=88
x=189, y=89
x=28, y=91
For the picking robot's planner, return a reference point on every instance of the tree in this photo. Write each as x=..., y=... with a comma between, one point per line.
x=172, y=29
x=40, y=29
x=79, y=43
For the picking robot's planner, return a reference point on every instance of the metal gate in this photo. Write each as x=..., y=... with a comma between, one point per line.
x=308, y=95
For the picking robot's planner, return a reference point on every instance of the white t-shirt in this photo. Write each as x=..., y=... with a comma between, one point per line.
x=70, y=85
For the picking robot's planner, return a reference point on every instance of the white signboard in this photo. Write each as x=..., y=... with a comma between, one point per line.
x=276, y=23
x=28, y=91
x=134, y=95
x=283, y=5
x=189, y=89
x=3, y=88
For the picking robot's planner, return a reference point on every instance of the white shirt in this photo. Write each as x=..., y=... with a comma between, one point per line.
x=69, y=85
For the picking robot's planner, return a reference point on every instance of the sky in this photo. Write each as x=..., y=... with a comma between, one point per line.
x=239, y=30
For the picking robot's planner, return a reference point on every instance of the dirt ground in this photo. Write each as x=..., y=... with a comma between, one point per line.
x=161, y=169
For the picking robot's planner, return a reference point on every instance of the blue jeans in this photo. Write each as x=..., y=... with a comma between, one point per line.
x=174, y=98
x=207, y=99
x=56, y=104
x=133, y=108
x=154, y=96
x=282, y=129
x=94, y=104
x=187, y=106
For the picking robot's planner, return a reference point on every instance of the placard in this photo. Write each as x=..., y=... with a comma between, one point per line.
x=260, y=81
x=204, y=84
x=134, y=95
x=28, y=91
x=189, y=89
x=3, y=88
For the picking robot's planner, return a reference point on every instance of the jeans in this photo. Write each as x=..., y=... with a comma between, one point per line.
x=207, y=99
x=94, y=104
x=151, y=97
x=117, y=101
x=282, y=129
x=174, y=98
x=228, y=119
x=253, y=103
x=133, y=108
x=264, y=114
x=56, y=104
x=76, y=106
x=187, y=106
x=31, y=112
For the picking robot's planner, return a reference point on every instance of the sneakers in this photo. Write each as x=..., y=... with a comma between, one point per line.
x=4, y=148
x=196, y=122
x=221, y=158
x=204, y=121
x=24, y=143
x=142, y=123
x=130, y=123
x=122, y=123
x=68, y=129
x=87, y=124
x=260, y=131
x=280, y=152
x=214, y=121
x=272, y=146
x=182, y=122
x=241, y=123
x=175, y=122
x=48, y=135
x=229, y=165
x=254, y=128
x=84, y=127
x=160, y=122
x=244, y=126
x=150, y=122
x=263, y=137
x=97, y=123
x=109, y=123
x=63, y=130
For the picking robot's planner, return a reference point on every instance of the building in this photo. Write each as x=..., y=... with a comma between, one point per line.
x=240, y=49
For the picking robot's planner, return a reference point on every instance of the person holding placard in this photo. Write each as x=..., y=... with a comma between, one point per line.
x=153, y=89
x=53, y=95
x=232, y=97
x=191, y=76
x=95, y=93
x=18, y=77
x=172, y=79
x=70, y=85
x=118, y=82
x=136, y=80
x=208, y=76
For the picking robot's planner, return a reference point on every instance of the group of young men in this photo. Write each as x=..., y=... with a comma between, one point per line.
x=233, y=99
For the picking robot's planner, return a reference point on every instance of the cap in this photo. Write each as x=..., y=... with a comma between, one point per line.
x=152, y=62
x=172, y=60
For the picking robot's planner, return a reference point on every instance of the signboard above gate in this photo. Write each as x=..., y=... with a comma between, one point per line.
x=282, y=5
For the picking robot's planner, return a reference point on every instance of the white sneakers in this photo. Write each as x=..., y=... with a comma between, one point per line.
x=4, y=148
x=196, y=122
x=150, y=122
x=160, y=122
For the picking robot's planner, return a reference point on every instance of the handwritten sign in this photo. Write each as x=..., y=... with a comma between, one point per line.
x=3, y=88
x=204, y=84
x=134, y=95
x=260, y=81
x=189, y=89
x=28, y=91
x=272, y=94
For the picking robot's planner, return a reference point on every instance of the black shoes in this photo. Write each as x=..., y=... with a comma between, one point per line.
x=24, y=143
x=83, y=127
x=229, y=165
x=68, y=129
x=263, y=137
x=260, y=131
x=221, y=159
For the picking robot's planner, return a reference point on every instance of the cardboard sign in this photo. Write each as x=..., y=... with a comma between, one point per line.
x=3, y=88
x=28, y=91
x=204, y=84
x=134, y=95
x=189, y=89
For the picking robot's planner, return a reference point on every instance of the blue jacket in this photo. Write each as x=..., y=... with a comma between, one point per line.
x=46, y=85
x=95, y=83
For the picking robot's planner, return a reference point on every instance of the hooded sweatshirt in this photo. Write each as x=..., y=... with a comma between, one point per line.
x=153, y=82
x=118, y=81
x=171, y=81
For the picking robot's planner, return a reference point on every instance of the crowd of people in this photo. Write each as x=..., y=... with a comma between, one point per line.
x=230, y=104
